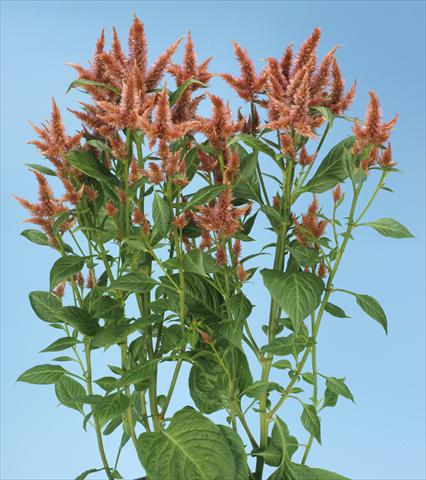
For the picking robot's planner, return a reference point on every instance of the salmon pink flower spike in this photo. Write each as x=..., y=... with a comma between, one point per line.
x=373, y=131
x=53, y=142
x=337, y=193
x=249, y=83
x=386, y=158
x=44, y=213
x=185, y=108
x=311, y=228
x=220, y=126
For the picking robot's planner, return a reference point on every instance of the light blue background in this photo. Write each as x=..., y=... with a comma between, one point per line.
x=382, y=436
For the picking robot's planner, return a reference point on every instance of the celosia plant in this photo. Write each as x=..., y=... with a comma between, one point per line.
x=157, y=206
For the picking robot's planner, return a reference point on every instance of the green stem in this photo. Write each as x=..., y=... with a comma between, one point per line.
x=315, y=390
x=95, y=417
x=321, y=311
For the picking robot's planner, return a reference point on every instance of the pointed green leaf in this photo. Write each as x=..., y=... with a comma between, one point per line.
x=311, y=421
x=338, y=385
x=61, y=344
x=35, y=236
x=162, y=214
x=332, y=169
x=41, y=169
x=191, y=448
x=193, y=262
x=89, y=165
x=79, y=319
x=64, y=268
x=134, y=282
x=388, y=227
x=372, y=308
x=42, y=374
x=111, y=406
x=205, y=195
x=298, y=293
x=84, y=83
x=303, y=472
x=45, y=305
x=335, y=310
x=70, y=392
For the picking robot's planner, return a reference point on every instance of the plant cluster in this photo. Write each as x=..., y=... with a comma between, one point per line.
x=157, y=207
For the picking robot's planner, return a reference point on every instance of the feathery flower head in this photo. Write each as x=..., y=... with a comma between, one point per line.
x=386, y=158
x=53, y=142
x=249, y=83
x=337, y=193
x=220, y=126
x=373, y=131
x=311, y=228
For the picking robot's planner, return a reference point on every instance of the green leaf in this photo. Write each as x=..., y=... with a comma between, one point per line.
x=42, y=374
x=338, y=386
x=332, y=169
x=388, y=227
x=86, y=473
x=304, y=256
x=255, y=143
x=70, y=393
x=64, y=268
x=273, y=215
x=111, y=406
x=84, y=83
x=134, y=282
x=248, y=165
x=298, y=294
x=191, y=448
x=207, y=385
x=107, y=383
x=61, y=344
x=205, y=195
x=326, y=113
x=100, y=145
x=114, y=334
x=283, y=364
x=35, y=236
x=259, y=388
x=201, y=298
x=80, y=319
x=311, y=421
x=240, y=307
x=303, y=472
x=335, y=310
x=104, y=307
x=238, y=452
x=330, y=398
x=89, y=165
x=193, y=262
x=45, y=305
x=175, y=96
x=372, y=308
x=41, y=169
x=162, y=214
x=291, y=345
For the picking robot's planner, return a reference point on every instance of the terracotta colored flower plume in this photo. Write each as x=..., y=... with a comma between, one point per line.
x=45, y=211
x=310, y=229
x=53, y=142
x=295, y=85
x=186, y=106
x=220, y=126
x=127, y=81
x=249, y=83
x=373, y=131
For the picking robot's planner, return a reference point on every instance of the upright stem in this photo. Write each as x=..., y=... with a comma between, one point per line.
x=95, y=417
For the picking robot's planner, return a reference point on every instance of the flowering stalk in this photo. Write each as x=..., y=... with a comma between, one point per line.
x=159, y=268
